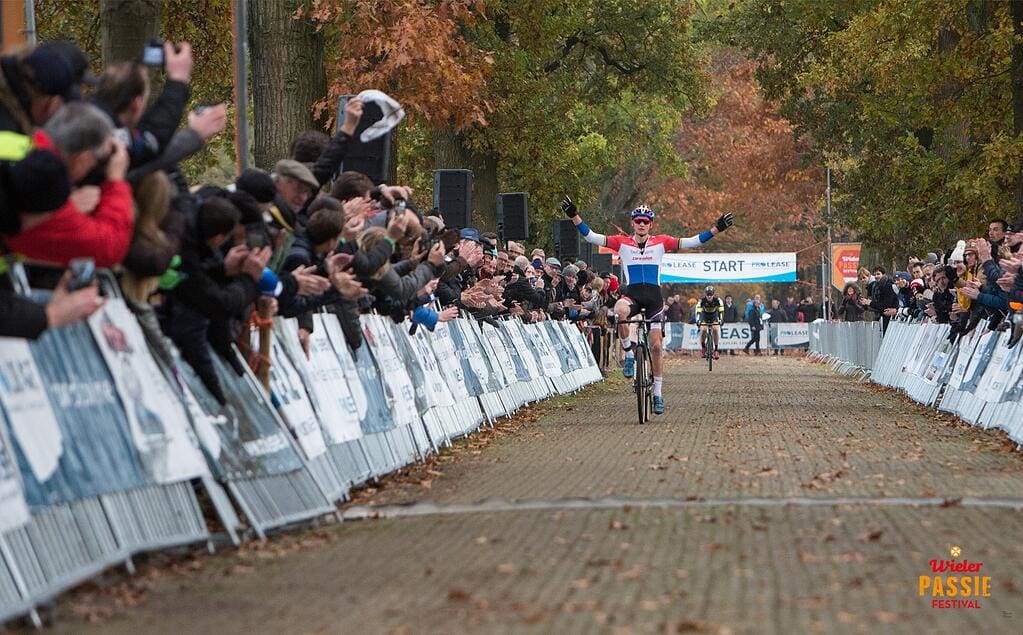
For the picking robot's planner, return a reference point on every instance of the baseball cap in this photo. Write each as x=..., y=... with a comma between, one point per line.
x=470, y=233
x=554, y=262
x=917, y=283
x=52, y=73
x=904, y=275
x=297, y=171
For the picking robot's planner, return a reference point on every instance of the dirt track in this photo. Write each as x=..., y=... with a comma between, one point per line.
x=772, y=496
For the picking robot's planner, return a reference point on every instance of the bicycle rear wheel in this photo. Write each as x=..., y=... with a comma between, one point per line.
x=642, y=386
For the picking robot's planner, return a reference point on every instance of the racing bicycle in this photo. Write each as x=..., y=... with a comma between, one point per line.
x=708, y=346
x=643, y=382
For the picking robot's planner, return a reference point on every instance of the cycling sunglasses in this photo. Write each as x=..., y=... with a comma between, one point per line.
x=641, y=221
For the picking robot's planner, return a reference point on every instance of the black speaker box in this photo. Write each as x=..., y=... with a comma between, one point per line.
x=452, y=193
x=374, y=158
x=601, y=263
x=586, y=252
x=566, y=240
x=513, y=216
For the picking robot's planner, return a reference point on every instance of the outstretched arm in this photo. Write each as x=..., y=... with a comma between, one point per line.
x=724, y=222
x=590, y=236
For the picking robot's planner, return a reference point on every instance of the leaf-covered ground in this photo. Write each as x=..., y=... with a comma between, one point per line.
x=772, y=497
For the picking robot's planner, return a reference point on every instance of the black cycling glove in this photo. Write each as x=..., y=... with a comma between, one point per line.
x=568, y=207
x=724, y=222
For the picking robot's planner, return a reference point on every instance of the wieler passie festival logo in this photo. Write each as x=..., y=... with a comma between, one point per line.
x=954, y=583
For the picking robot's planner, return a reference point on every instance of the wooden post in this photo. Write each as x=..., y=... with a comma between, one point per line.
x=12, y=17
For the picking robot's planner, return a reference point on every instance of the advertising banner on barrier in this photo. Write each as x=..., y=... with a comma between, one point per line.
x=350, y=424
x=790, y=334
x=252, y=441
x=451, y=365
x=330, y=400
x=438, y=392
x=539, y=343
x=398, y=389
x=289, y=391
x=463, y=354
x=700, y=268
x=408, y=352
x=13, y=508
x=501, y=362
x=682, y=336
x=515, y=330
x=98, y=455
x=378, y=416
x=470, y=340
x=33, y=423
x=845, y=264
x=159, y=424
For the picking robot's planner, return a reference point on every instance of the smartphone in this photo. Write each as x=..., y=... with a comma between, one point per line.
x=152, y=53
x=255, y=239
x=83, y=273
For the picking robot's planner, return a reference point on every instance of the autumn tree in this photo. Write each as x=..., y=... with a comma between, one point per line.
x=912, y=103
x=127, y=25
x=536, y=96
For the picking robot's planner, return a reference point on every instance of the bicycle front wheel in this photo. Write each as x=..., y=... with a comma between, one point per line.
x=710, y=350
x=642, y=386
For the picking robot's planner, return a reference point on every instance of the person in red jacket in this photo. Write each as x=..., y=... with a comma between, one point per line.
x=82, y=136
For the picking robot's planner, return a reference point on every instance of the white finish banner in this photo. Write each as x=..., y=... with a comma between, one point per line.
x=33, y=423
x=167, y=447
x=701, y=268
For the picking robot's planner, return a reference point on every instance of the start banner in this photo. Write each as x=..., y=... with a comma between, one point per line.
x=699, y=268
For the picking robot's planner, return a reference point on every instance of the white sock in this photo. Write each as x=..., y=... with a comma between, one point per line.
x=657, y=386
x=627, y=346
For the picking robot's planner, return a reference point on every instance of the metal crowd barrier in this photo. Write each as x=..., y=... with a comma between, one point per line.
x=979, y=377
x=268, y=459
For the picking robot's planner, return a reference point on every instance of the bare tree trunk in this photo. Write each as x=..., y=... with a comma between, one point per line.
x=450, y=152
x=1017, y=94
x=127, y=25
x=287, y=77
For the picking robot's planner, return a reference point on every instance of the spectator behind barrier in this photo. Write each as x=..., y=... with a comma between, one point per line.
x=82, y=135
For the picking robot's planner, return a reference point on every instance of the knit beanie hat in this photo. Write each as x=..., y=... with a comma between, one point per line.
x=257, y=183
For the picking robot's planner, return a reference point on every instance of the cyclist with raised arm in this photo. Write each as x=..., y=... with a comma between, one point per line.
x=641, y=255
x=710, y=311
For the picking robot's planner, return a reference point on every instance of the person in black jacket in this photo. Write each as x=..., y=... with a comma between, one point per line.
x=211, y=289
x=883, y=299
x=519, y=290
x=123, y=93
x=34, y=84
x=731, y=311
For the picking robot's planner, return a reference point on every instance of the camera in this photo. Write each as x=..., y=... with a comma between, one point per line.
x=152, y=54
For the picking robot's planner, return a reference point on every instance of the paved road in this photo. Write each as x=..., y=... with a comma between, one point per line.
x=772, y=497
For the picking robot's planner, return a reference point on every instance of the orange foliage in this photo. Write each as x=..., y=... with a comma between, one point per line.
x=742, y=158
x=413, y=50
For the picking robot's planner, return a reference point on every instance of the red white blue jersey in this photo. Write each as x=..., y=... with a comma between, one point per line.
x=642, y=265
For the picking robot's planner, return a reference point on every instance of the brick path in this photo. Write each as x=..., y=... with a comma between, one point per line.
x=765, y=430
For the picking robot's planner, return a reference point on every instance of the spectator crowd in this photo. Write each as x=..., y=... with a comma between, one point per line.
x=977, y=281
x=90, y=181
